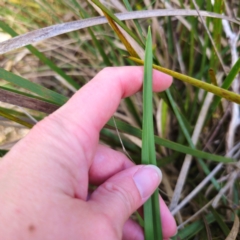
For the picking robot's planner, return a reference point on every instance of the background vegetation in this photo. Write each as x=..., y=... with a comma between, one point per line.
x=197, y=134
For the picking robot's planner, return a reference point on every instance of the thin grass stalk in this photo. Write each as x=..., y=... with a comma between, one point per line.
x=152, y=222
x=193, y=22
x=15, y=119
x=226, y=84
x=123, y=39
x=42, y=57
x=119, y=22
x=188, y=158
x=125, y=127
x=58, y=29
x=221, y=92
x=99, y=47
x=217, y=32
x=187, y=136
x=16, y=113
x=130, y=104
x=43, y=92
x=138, y=26
x=222, y=225
x=15, y=90
x=195, y=227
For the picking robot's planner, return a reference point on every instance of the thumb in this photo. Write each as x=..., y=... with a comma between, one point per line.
x=125, y=192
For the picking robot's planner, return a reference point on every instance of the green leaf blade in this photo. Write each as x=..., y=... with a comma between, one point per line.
x=152, y=222
x=33, y=87
x=42, y=57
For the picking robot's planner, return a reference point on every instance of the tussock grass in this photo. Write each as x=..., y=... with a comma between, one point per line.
x=196, y=132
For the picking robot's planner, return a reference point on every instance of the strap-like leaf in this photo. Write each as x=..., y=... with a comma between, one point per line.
x=58, y=29
x=42, y=57
x=33, y=87
x=152, y=222
x=221, y=92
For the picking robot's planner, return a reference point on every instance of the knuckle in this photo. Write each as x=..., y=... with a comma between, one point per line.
x=122, y=194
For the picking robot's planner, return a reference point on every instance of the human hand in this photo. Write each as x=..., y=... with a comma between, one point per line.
x=44, y=178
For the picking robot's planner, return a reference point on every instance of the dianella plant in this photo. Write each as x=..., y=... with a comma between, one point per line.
x=50, y=49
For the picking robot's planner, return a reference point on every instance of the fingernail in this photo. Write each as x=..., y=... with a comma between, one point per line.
x=147, y=180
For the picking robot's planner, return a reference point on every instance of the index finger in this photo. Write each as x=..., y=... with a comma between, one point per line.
x=92, y=106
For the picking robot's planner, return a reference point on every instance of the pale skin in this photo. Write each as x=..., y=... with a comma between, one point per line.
x=44, y=178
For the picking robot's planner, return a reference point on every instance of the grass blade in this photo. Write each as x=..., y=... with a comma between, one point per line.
x=33, y=87
x=116, y=29
x=124, y=127
x=99, y=47
x=226, y=84
x=217, y=31
x=14, y=89
x=15, y=119
x=152, y=223
x=27, y=102
x=221, y=92
x=223, y=226
x=58, y=29
x=138, y=26
x=195, y=227
x=235, y=228
x=120, y=23
x=130, y=105
x=42, y=57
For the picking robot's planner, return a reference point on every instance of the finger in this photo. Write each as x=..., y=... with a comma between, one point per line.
x=125, y=192
x=91, y=107
x=169, y=227
x=132, y=231
x=106, y=163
